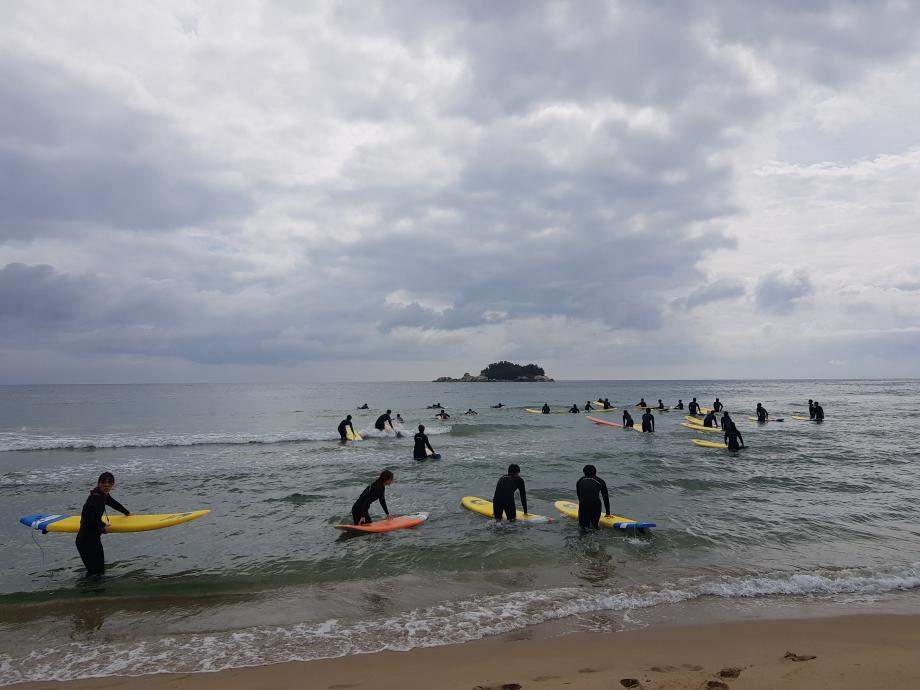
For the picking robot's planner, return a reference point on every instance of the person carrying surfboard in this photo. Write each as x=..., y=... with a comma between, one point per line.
x=89, y=538
x=590, y=489
x=421, y=443
x=344, y=425
x=503, y=500
x=375, y=491
x=648, y=421
x=733, y=437
x=383, y=420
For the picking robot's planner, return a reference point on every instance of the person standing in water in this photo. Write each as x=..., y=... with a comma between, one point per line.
x=89, y=536
x=588, y=407
x=545, y=408
x=761, y=412
x=733, y=438
x=648, y=421
x=818, y=412
x=679, y=405
x=375, y=491
x=811, y=408
x=503, y=500
x=627, y=420
x=383, y=420
x=574, y=409
x=710, y=419
x=421, y=443
x=607, y=403
x=693, y=407
x=726, y=421
x=590, y=490
x=717, y=406
x=344, y=425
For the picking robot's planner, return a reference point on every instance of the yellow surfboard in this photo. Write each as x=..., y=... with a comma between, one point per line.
x=700, y=427
x=114, y=523
x=570, y=509
x=708, y=444
x=485, y=508
x=352, y=435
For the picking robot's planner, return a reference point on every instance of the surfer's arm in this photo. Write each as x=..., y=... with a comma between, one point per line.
x=383, y=502
x=523, y=495
x=428, y=444
x=116, y=505
x=606, y=495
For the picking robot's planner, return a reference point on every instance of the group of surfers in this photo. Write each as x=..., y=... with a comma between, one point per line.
x=591, y=491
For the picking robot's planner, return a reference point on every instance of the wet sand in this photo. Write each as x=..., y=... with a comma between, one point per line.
x=865, y=652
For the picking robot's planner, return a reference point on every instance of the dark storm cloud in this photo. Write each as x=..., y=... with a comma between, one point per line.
x=74, y=153
x=781, y=293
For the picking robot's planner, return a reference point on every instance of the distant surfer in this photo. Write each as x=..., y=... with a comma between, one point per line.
x=89, y=537
x=399, y=418
x=679, y=405
x=574, y=409
x=588, y=407
x=641, y=403
x=717, y=406
x=818, y=412
x=811, y=408
x=436, y=406
x=498, y=407
x=545, y=409
x=470, y=411
x=344, y=425
x=376, y=491
x=761, y=412
x=503, y=500
x=442, y=415
x=693, y=407
x=421, y=443
x=590, y=490
x=363, y=407
x=710, y=420
x=660, y=404
x=607, y=404
x=648, y=421
x=733, y=438
x=627, y=420
x=726, y=421
x=383, y=420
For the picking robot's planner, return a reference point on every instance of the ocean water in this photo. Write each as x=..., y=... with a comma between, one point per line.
x=809, y=519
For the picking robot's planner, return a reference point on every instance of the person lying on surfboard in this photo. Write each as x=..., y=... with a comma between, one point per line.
x=89, y=538
x=498, y=407
x=343, y=426
x=733, y=437
x=442, y=415
x=503, y=500
x=363, y=407
x=421, y=443
x=470, y=411
x=376, y=491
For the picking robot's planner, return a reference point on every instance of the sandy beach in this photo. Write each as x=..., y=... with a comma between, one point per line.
x=846, y=652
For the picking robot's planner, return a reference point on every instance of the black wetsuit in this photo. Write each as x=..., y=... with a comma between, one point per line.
x=588, y=407
x=373, y=492
x=725, y=422
x=693, y=407
x=381, y=423
x=606, y=404
x=679, y=406
x=421, y=442
x=590, y=490
x=89, y=538
x=545, y=409
x=343, y=425
x=733, y=438
x=762, y=414
x=648, y=422
x=503, y=500
x=627, y=419
x=811, y=410
x=710, y=420
x=717, y=406
x=819, y=413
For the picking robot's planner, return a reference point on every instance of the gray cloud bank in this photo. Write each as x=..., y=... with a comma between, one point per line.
x=365, y=182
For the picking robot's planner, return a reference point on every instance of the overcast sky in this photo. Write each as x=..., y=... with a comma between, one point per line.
x=286, y=191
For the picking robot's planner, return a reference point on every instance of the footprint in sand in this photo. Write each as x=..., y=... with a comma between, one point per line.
x=630, y=683
x=730, y=672
x=716, y=685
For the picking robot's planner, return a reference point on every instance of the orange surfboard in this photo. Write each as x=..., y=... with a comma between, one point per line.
x=384, y=525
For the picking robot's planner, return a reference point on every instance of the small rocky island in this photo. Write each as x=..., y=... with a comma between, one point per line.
x=501, y=371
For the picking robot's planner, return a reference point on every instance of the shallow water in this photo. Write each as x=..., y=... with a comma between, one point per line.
x=818, y=514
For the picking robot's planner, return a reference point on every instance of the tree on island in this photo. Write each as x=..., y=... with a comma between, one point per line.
x=507, y=371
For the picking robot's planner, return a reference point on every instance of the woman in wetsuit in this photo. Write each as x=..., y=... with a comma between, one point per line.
x=374, y=492
x=89, y=537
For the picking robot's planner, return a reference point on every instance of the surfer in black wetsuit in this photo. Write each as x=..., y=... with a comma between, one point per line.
x=89, y=537
x=627, y=420
x=660, y=404
x=648, y=421
x=503, y=500
x=590, y=490
x=818, y=412
x=442, y=415
x=811, y=408
x=761, y=413
x=726, y=421
x=574, y=409
x=733, y=437
x=363, y=407
x=421, y=443
x=374, y=492
x=399, y=418
x=383, y=420
x=588, y=407
x=498, y=407
x=679, y=405
x=607, y=404
x=470, y=411
x=343, y=425
x=710, y=419
x=641, y=403
x=693, y=407
x=545, y=409
x=717, y=406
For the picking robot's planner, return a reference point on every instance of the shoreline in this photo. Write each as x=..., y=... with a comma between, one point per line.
x=865, y=651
